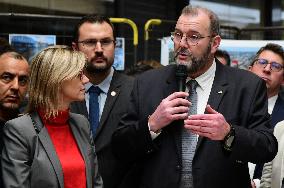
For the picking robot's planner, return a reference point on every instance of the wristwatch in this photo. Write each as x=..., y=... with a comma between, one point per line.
x=229, y=139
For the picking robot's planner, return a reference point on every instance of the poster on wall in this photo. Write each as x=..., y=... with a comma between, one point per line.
x=119, y=57
x=29, y=45
x=241, y=52
x=167, y=51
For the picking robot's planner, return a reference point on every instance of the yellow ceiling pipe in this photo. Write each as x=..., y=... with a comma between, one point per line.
x=147, y=26
x=132, y=24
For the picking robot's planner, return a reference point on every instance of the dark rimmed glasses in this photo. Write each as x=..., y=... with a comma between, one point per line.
x=274, y=66
x=92, y=43
x=191, y=39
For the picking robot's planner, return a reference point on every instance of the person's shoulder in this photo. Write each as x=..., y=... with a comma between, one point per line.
x=22, y=119
x=279, y=129
x=76, y=116
x=22, y=123
x=122, y=78
x=241, y=74
x=158, y=72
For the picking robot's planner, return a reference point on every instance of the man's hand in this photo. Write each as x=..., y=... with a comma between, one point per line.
x=211, y=125
x=172, y=108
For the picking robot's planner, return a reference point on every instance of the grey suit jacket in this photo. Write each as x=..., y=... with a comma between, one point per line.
x=29, y=158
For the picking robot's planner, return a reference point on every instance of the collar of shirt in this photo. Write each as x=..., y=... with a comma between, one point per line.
x=271, y=103
x=206, y=78
x=205, y=82
x=104, y=86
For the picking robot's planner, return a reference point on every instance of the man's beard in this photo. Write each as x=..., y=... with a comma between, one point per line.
x=93, y=68
x=194, y=64
x=10, y=107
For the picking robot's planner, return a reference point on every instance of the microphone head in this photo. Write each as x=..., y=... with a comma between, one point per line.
x=181, y=71
x=181, y=75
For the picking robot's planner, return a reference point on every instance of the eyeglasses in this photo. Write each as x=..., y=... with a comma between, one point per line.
x=92, y=43
x=274, y=66
x=191, y=39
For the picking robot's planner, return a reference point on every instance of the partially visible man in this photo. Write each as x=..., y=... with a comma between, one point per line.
x=202, y=138
x=5, y=46
x=268, y=64
x=223, y=56
x=14, y=75
x=94, y=35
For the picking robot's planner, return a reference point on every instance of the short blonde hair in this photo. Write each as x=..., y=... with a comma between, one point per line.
x=49, y=68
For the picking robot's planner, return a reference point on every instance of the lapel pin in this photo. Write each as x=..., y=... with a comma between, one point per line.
x=220, y=92
x=113, y=93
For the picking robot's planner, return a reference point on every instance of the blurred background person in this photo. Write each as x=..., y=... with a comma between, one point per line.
x=50, y=147
x=273, y=172
x=14, y=75
x=5, y=46
x=268, y=64
x=223, y=56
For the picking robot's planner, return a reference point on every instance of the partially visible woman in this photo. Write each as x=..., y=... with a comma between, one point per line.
x=273, y=172
x=50, y=147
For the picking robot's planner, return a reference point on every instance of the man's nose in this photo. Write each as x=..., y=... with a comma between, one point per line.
x=183, y=42
x=267, y=68
x=98, y=47
x=85, y=79
x=15, y=84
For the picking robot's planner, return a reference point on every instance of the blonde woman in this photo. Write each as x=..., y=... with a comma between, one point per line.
x=50, y=147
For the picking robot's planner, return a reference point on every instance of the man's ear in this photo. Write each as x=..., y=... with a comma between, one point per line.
x=75, y=46
x=215, y=43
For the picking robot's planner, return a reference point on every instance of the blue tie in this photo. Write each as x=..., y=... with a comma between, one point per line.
x=94, y=109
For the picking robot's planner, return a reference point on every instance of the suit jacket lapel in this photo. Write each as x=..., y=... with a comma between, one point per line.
x=278, y=111
x=79, y=107
x=112, y=95
x=175, y=128
x=219, y=88
x=48, y=147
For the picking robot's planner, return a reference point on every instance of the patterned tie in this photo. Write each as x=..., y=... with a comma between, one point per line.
x=94, y=109
x=189, y=140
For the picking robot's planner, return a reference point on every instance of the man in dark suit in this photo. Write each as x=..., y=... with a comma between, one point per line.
x=14, y=76
x=268, y=64
x=94, y=35
x=231, y=120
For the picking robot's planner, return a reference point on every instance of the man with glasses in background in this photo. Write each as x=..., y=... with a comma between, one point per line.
x=107, y=93
x=268, y=65
x=203, y=137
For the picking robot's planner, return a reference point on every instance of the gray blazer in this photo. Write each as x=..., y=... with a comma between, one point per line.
x=29, y=158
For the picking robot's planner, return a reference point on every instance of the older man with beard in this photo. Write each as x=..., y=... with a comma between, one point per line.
x=204, y=137
x=107, y=94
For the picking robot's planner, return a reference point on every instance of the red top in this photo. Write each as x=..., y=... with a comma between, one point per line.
x=66, y=148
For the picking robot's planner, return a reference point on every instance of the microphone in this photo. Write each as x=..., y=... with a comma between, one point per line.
x=181, y=75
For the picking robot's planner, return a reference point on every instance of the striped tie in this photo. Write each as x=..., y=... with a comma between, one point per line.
x=189, y=140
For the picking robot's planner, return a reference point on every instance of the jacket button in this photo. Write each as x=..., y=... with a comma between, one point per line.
x=149, y=151
x=178, y=167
